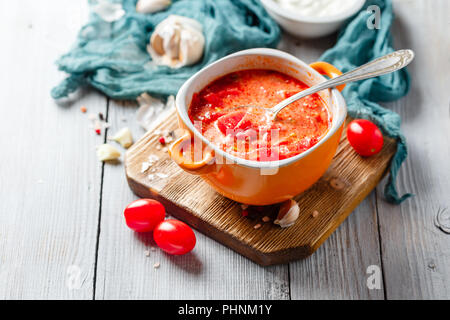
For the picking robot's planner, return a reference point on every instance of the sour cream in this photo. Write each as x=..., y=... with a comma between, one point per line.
x=316, y=8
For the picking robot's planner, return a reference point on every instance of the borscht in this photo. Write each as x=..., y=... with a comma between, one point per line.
x=251, y=133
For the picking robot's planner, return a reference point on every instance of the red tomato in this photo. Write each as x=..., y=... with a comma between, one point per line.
x=174, y=237
x=143, y=215
x=365, y=137
x=214, y=99
x=230, y=121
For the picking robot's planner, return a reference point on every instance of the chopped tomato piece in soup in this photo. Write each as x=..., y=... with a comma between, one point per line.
x=230, y=121
x=251, y=133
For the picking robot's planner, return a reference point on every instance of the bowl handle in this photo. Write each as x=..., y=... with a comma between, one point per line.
x=205, y=165
x=329, y=70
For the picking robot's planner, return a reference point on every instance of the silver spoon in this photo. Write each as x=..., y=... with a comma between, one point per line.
x=383, y=65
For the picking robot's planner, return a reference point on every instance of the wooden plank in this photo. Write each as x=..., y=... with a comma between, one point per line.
x=337, y=270
x=211, y=271
x=325, y=274
x=416, y=254
x=50, y=175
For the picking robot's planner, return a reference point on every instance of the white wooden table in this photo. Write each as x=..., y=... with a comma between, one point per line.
x=61, y=209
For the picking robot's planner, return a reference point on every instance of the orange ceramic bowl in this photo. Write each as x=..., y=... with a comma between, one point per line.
x=254, y=182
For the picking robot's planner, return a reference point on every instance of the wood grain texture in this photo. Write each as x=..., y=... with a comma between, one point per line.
x=192, y=200
x=355, y=243
x=337, y=270
x=211, y=271
x=416, y=254
x=50, y=177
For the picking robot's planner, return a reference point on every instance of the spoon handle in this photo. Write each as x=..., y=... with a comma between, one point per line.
x=383, y=65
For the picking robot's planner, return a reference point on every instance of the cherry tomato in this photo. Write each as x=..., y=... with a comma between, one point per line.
x=143, y=215
x=365, y=137
x=174, y=237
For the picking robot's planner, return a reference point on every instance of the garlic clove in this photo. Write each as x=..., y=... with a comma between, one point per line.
x=176, y=42
x=158, y=45
x=123, y=137
x=151, y=6
x=288, y=213
x=191, y=47
x=106, y=152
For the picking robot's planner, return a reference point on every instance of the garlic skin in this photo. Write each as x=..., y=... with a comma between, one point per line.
x=123, y=137
x=151, y=6
x=176, y=42
x=108, y=11
x=106, y=152
x=288, y=214
x=152, y=109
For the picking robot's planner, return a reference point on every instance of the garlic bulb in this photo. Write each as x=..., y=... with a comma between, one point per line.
x=176, y=42
x=106, y=152
x=123, y=137
x=151, y=6
x=288, y=213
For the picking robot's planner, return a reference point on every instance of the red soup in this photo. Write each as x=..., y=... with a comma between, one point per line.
x=251, y=133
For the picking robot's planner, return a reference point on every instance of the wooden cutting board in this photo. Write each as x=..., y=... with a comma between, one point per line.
x=187, y=197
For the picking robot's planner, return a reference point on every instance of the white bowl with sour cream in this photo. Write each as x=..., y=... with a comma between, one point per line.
x=311, y=18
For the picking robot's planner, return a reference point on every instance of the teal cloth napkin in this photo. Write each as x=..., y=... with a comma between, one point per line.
x=357, y=44
x=112, y=57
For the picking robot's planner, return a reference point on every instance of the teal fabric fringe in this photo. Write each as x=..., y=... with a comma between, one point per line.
x=112, y=57
x=357, y=44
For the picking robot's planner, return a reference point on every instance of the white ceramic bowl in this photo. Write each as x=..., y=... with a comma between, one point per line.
x=309, y=27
